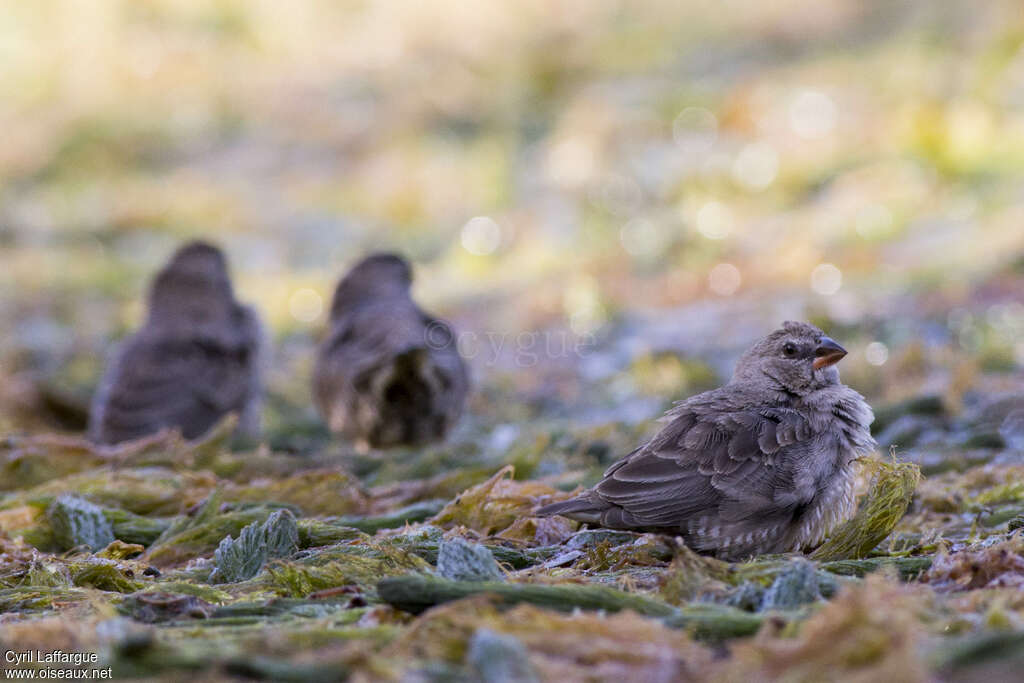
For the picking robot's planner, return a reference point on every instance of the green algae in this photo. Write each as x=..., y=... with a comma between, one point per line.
x=889, y=493
x=83, y=570
x=336, y=608
x=104, y=575
x=337, y=573
x=1010, y=492
x=459, y=560
x=495, y=657
x=425, y=542
x=126, y=526
x=411, y=514
x=796, y=585
x=296, y=580
x=907, y=568
x=495, y=504
x=241, y=558
x=38, y=598
x=47, y=573
x=333, y=565
x=320, y=532
x=643, y=552
x=119, y=550
x=191, y=537
x=416, y=593
x=690, y=576
x=28, y=461
x=358, y=566
x=273, y=669
x=999, y=653
x=77, y=522
x=282, y=534
x=203, y=591
x=160, y=606
x=132, y=528
x=326, y=491
x=718, y=622
x=149, y=491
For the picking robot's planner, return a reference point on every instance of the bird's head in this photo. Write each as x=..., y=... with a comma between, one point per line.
x=797, y=358
x=193, y=287
x=380, y=275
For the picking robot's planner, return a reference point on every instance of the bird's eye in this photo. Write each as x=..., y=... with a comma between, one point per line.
x=789, y=350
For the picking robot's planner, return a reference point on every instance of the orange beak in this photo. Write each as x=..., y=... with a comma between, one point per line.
x=828, y=353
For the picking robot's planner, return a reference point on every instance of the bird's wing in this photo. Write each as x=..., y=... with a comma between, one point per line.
x=444, y=350
x=188, y=383
x=373, y=334
x=712, y=466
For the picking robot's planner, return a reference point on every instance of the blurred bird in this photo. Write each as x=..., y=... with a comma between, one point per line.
x=387, y=373
x=760, y=465
x=195, y=359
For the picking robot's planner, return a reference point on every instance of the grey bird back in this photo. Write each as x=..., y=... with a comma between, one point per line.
x=387, y=373
x=196, y=358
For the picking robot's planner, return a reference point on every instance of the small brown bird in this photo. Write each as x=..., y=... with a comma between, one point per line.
x=195, y=359
x=387, y=374
x=760, y=465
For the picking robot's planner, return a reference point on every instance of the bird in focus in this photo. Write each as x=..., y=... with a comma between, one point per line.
x=387, y=374
x=761, y=465
x=196, y=358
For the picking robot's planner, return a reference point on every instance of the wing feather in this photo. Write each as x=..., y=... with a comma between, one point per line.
x=712, y=470
x=185, y=383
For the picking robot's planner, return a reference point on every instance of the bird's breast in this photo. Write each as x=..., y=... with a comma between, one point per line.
x=834, y=505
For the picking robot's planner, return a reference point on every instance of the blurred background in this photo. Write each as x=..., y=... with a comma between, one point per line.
x=609, y=199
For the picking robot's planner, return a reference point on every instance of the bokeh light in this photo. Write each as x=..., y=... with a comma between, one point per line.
x=756, y=166
x=876, y=353
x=481, y=235
x=812, y=114
x=641, y=237
x=695, y=130
x=826, y=279
x=714, y=220
x=725, y=279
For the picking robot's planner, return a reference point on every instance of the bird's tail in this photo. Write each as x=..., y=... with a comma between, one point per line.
x=582, y=509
